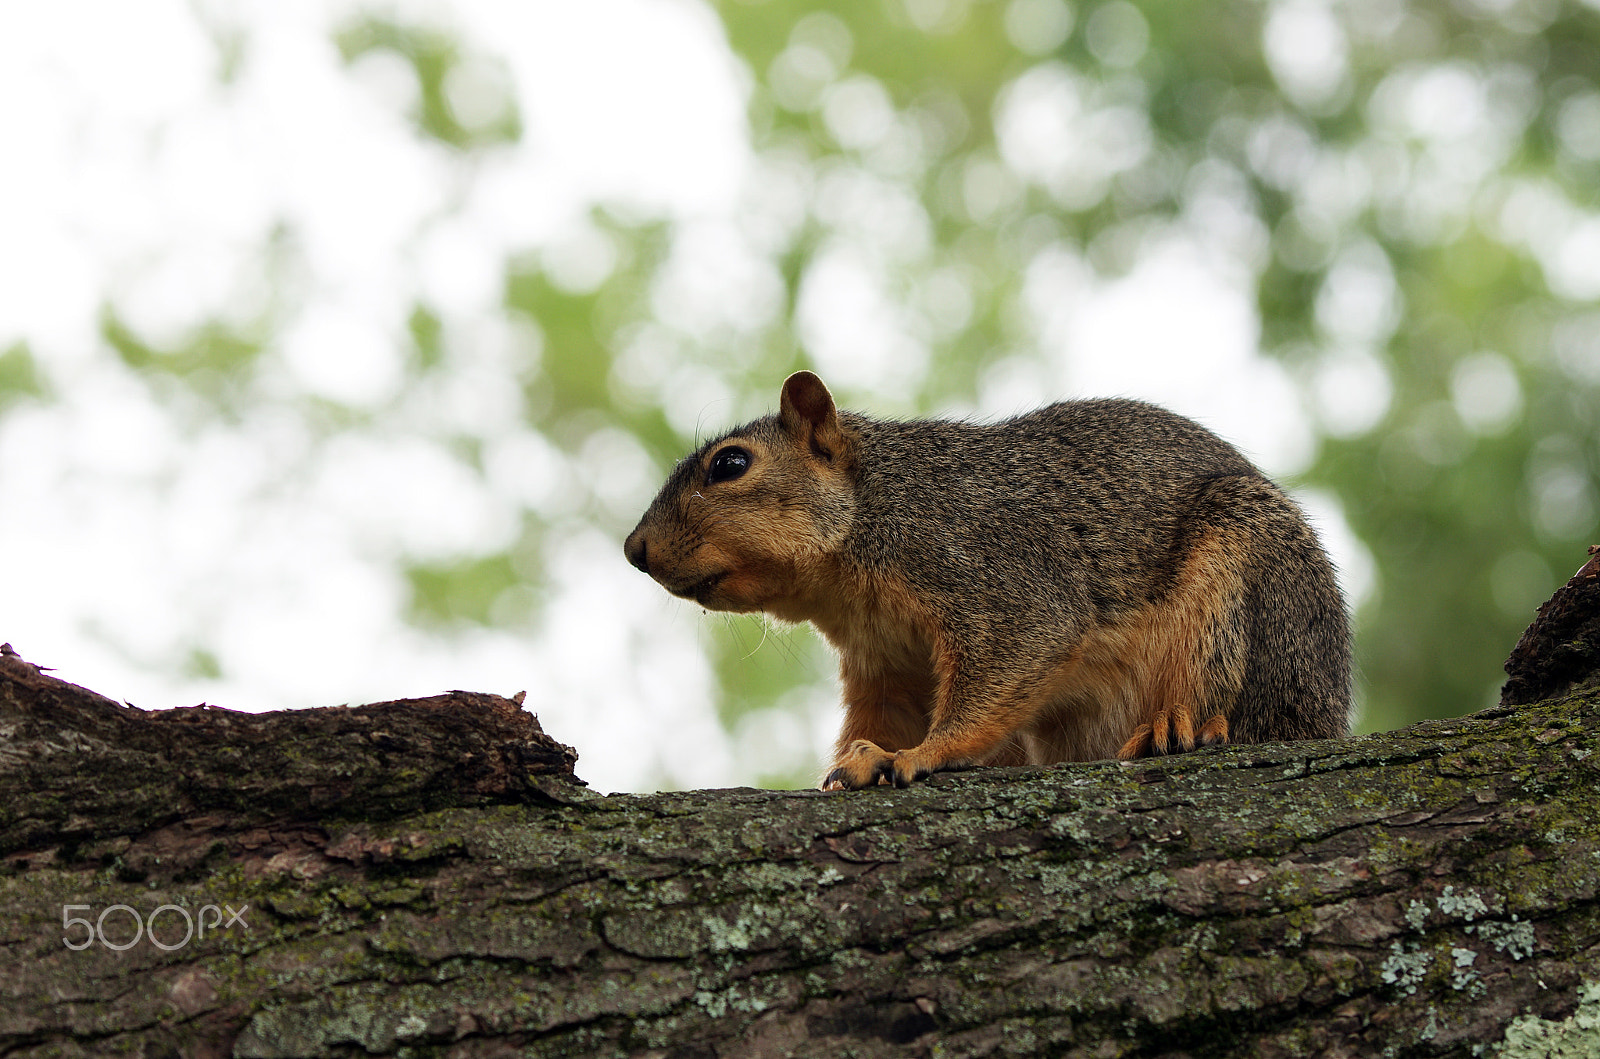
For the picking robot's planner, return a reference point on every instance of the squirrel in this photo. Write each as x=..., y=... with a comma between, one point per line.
x=1094, y=578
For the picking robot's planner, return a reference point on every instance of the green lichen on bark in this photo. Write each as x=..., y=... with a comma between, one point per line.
x=1575, y=1037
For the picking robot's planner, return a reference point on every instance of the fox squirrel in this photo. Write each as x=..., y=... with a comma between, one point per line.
x=1093, y=578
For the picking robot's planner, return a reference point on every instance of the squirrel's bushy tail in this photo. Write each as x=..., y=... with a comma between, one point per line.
x=1286, y=640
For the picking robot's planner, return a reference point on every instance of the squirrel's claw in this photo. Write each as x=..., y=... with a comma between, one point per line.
x=1214, y=732
x=858, y=765
x=1138, y=744
x=904, y=769
x=1172, y=731
x=865, y=764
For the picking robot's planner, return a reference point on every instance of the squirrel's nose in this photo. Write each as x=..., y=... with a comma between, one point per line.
x=636, y=551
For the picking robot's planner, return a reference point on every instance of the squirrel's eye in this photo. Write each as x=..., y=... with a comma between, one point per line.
x=727, y=465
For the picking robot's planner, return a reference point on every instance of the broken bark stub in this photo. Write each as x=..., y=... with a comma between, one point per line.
x=1560, y=652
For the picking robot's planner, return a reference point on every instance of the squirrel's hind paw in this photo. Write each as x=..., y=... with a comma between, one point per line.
x=1171, y=731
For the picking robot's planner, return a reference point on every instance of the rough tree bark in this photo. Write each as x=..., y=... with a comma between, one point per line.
x=426, y=877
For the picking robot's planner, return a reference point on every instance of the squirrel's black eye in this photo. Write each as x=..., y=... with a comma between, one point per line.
x=727, y=465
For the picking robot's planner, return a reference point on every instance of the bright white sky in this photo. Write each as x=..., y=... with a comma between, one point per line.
x=134, y=528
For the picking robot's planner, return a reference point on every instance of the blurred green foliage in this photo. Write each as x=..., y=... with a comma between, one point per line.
x=213, y=349
x=436, y=57
x=19, y=375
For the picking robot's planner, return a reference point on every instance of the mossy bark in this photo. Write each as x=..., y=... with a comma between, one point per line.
x=426, y=878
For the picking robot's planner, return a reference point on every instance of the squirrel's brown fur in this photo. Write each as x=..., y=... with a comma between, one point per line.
x=1093, y=578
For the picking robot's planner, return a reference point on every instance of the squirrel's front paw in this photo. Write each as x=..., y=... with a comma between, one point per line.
x=865, y=764
x=861, y=764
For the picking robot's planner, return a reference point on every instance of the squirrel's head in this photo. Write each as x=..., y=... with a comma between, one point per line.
x=742, y=523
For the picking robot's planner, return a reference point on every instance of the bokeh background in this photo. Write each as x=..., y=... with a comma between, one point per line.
x=342, y=342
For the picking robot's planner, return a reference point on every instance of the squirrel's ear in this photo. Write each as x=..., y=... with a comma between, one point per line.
x=806, y=413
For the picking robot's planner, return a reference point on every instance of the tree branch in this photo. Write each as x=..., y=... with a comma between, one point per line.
x=426, y=877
